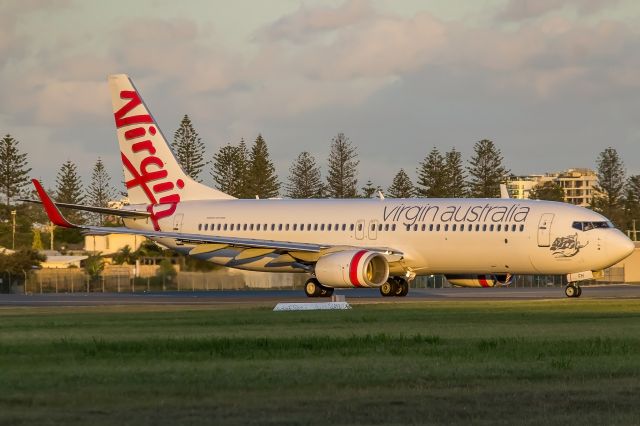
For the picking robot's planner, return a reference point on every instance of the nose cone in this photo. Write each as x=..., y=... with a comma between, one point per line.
x=620, y=246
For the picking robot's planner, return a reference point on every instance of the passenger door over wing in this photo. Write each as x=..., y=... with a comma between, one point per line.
x=544, y=230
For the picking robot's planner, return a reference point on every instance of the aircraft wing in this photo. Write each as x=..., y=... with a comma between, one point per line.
x=58, y=219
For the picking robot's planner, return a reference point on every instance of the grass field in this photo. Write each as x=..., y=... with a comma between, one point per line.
x=560, y=362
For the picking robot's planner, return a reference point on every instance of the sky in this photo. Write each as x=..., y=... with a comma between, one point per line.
x=552, y=82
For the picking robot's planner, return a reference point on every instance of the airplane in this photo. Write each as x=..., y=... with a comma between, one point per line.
x=344, y=243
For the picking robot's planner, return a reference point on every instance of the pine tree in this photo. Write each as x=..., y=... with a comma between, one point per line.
x=189, y=149
x=69, y=189
x=632, y=204
x=305, y=180
x=370, y=190
x=456, y=180
x=432, y=176
x=14, y=173
x=342, y=175
x=228, y=169
x=261, y=174
x=100, y=191
x=402, y=187
x=549, y=191
x=610, y=187
x=486, y=170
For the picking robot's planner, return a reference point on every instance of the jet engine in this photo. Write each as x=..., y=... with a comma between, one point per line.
x=352, y=268
x=471, y=280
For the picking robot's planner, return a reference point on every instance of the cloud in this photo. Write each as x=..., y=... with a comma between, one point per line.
x=519, y=10
x=309, y=21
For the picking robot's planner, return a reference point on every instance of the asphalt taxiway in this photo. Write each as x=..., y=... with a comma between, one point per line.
x=275, y=296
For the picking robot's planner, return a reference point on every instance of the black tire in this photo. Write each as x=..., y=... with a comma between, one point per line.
x=570, y=291
x=404, y=288
x=325, y=291
x=399, y=287
x=312, y=288
x=579, y=293
x=387, y=289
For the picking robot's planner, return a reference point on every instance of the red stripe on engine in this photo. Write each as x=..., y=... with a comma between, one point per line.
x=353, y=268
x=483, y=281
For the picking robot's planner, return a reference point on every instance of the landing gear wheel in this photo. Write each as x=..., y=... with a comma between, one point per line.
x=579, y=293
x=387, y=289
x=312, y=288
x=403, y=288
x=571, y=290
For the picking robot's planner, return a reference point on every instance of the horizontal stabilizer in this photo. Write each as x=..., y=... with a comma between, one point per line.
x=100, y=210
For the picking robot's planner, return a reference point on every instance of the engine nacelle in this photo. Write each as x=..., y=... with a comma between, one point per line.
x=352, y=268
x=470, y=280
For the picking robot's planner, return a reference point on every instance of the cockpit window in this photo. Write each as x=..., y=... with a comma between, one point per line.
x=587, y=226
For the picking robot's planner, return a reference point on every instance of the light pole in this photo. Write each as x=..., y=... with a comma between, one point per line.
x=13, y=235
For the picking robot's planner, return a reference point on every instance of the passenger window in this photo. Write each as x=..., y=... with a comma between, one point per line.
x=273, y=226
x=225, y=226
x=322, y=227
x=491, y=227
x=386, y=226
x=513, y=228
x=359, y=227
x=295, y=226
x=407, y=227
x=337, y=227
x=251, y=227
x=415, y=227
x=461, y=228
x=329, y=227
x=280, y=227
x=286, y=227
x=315, y=226
x=521, y=228
x=244, y=227
x=424, y=227
x=380, y=227
x=470, y=227
x=257, y=227
x=373, y=226
x=484, y=227
x=437, y=227
x=393, y=227
x=431, y=227
x=477, y=227
x=199, y=227
x=453, y=227
x=499, y=227
x=232, y=226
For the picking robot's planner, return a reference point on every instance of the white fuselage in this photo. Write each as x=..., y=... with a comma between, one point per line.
x=449, y=236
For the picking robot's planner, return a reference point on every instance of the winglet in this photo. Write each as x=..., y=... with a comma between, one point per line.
x=52, y=210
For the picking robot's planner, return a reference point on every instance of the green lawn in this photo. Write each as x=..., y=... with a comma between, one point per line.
x=559, y=362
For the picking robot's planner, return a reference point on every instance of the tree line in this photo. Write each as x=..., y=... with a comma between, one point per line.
x=247, y=172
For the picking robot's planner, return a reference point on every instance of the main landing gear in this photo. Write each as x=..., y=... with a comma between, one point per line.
x=572, y=290
x=395, y=287
x=313, y=288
